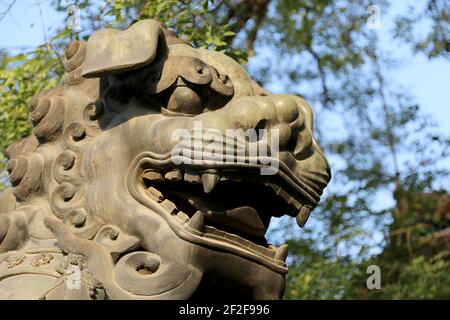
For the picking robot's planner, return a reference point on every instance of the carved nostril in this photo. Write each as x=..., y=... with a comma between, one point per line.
x=199, y=69
x=292, y=143
x=261, y=125
x=223, y=78
x=284, y=134
x=303, y=144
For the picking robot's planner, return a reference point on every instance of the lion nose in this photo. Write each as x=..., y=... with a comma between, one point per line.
x=289, y=122
x=278, y=113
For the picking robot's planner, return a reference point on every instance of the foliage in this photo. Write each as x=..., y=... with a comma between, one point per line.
x=315, y=274
x=415, y=263
x=21, y=77
x=421, y=279
x=433, y=16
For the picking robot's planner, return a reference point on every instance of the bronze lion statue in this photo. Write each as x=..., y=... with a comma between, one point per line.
x=133, y=186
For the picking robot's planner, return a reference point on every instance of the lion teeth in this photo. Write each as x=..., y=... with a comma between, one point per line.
x=283, y=194
x=153, y=176
x=282, y=253
x=192, y=178
x=174, y=175
x=169, y=206
x=274, y=187
x=303, y=216
x=295, y=203
x=183, y=217
x=197, y=221
x=155, y=194
x=209, y=181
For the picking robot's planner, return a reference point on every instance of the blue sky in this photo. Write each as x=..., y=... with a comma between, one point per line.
x=428, y=81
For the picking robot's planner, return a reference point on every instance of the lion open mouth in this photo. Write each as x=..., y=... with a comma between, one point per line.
x=230, y=206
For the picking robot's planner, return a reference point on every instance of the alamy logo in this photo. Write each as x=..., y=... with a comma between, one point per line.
x=374, y=20
x=74, y=18
x=374, y=280
x=209, y=146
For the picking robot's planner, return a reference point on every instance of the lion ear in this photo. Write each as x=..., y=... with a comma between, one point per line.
x=110, y=51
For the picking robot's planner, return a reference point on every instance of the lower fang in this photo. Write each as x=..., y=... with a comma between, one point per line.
x=197, y=221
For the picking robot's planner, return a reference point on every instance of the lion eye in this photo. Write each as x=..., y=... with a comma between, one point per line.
x=195, y=71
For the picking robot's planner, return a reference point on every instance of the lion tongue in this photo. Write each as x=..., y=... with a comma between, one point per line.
x=245, y=219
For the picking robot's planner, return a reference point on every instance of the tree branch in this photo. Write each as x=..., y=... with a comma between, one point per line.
x=4, y=13
x=387, y=115
x=327, y=100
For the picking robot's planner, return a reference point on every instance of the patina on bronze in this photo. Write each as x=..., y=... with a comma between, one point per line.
x=98, y=209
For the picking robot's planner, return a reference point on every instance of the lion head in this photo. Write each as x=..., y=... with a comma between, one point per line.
x=161, y=165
